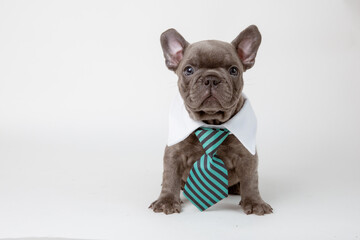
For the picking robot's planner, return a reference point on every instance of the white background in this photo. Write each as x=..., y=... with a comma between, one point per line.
x=84, y=98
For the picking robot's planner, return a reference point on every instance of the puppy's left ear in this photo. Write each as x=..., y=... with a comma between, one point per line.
x=247, y=44
x=173, y=45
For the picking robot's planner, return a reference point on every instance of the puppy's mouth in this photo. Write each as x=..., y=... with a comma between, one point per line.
x=210, y=104
x=210, y=110
x=210, y=100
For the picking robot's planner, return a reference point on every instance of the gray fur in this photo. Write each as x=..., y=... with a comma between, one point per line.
x=211, y=94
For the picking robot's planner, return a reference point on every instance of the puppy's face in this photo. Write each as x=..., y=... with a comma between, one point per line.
x=210, y=72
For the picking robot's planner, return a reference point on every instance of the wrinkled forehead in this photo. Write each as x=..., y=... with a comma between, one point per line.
x=211, y=54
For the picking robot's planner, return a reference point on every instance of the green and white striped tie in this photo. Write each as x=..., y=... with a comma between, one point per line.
x=207, y=182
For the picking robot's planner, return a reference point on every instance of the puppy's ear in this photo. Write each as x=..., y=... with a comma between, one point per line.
x=247, y=43
x=173, y=45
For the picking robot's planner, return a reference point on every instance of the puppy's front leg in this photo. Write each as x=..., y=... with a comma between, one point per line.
x=169, y=199
x=251, y=201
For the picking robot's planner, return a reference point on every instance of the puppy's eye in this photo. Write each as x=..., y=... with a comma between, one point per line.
x=188, y=70
x=234, y=71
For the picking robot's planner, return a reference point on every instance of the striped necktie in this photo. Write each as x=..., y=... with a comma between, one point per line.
x=207, y=182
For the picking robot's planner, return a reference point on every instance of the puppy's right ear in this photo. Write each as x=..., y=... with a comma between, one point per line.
x=247, y=44
x=173, y=45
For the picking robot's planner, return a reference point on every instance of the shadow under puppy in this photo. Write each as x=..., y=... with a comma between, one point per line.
x=210, y=85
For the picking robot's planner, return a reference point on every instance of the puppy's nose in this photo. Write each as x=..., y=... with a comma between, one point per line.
x=211, y=81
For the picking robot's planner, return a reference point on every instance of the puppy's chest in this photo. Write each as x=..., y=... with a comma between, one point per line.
x=228, y=152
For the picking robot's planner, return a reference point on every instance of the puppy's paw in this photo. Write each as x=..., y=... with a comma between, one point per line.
x=166, y=204
x=258, y=207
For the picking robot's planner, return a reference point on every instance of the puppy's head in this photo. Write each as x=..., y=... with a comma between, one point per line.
x=210, y=72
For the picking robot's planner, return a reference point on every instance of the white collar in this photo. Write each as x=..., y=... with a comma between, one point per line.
x=243, y=124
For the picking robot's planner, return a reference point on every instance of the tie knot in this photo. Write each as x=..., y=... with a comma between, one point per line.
x=211, y=138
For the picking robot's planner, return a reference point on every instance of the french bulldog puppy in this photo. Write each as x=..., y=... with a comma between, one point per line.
x=210, y=81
